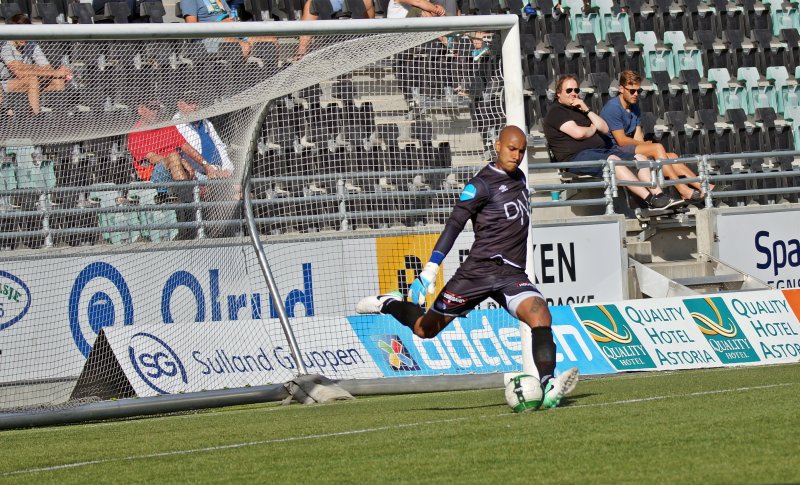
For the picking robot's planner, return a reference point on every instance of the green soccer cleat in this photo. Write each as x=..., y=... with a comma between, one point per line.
x=558, y=387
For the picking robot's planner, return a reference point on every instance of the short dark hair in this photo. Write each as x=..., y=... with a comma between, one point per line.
x=19, y=19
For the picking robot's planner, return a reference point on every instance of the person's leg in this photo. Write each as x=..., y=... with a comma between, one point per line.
x=369, y=7
x=305, y=40
x=534, y=312
x=28, y=85
x=532, y=309
x=625, y=173
x=56, y=84
x=175, y=166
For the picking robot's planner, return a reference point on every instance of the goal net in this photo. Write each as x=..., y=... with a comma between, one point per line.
x=127, y=269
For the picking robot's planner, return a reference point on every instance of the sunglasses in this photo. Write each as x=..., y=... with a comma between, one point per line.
x=572, y=90
x=634, y=91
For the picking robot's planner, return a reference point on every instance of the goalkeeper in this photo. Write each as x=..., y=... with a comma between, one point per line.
x=496, y=200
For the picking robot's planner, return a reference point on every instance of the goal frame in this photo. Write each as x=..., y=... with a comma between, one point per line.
x=507, y=25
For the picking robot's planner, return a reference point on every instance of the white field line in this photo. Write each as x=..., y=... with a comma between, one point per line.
x=365, y=430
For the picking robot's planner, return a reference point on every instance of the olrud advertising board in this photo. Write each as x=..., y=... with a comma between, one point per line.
x=762, y=243
x=168, y=359
x=485, y=341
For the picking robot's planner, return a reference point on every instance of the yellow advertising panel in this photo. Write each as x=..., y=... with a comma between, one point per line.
x=401, y=258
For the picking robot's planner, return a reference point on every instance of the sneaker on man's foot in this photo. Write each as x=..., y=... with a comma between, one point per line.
x=374, y=304
x=663, y=201
x=558, y=387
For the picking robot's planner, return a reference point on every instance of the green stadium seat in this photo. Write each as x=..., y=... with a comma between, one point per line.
x=656, y=56
x=786, y=88
x=730, y=95
x=685, y=55
x=760, y=92
x=146, y=197
x=109, y=199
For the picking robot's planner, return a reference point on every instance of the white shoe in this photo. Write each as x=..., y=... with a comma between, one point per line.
x=374, y=304
x=560, y=386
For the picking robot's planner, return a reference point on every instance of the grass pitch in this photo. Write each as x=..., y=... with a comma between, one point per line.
x=727, y=426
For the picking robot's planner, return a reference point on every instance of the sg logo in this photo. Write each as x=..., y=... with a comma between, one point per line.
x=156, y=363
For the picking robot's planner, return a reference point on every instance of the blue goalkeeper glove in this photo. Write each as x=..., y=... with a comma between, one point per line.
x=424, y=284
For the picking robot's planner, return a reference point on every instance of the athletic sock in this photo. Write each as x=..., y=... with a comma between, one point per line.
x=544, y=352
x=404, y=311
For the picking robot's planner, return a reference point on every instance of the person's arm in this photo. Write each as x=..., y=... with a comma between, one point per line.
x=189, y=10
x=470, y=202
x=425, y=6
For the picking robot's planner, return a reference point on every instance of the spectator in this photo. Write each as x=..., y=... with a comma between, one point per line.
x=623, y=117
x=157, y=154
x=204, y=139
x=218, y=11
x=27, y=70
x=573, y=134
x=400, y=9
x=337, y=6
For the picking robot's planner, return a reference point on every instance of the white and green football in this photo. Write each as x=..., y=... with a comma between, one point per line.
x=524, y=393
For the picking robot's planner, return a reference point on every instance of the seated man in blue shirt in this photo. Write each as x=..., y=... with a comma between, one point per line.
x=218, y=11
x=625, y=133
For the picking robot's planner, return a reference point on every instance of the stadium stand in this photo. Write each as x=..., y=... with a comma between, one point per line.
x=720, y=78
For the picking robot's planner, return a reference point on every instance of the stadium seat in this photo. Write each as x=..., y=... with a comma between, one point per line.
x=712, y=49
x=784, y=16
x=792, y=114
x=669, y=16
x=730, y=95
x=598, y=56
x=627, y=55
x=550, y=20
x=741, y=51
x=779, y=77
x=685, y=55
x=80, y=13
x=699, y=16
x=730, y=16
x=597, y=90
x=47, y=13
x=152, y=12
x=8, y=10
x=770, y=51
x=147, y=197
x=756, y=16
x=791, y=38
x=643, y=15
x=656, y=56
x=117, y=12
x=760, y=92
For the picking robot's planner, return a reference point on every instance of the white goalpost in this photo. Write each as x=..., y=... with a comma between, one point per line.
x=189, y=212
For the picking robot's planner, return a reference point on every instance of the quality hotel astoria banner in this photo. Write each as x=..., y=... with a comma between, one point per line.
x=681, y=333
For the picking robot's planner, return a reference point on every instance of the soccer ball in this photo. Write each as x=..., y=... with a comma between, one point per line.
x=524, y=393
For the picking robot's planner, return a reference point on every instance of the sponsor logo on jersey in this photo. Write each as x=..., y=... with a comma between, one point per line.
x=453, y=299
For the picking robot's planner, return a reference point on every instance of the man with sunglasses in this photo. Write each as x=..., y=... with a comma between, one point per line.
x=623, y=117
x=573, y=133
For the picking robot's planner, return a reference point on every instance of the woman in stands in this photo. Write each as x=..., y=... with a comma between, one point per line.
x=27, y=70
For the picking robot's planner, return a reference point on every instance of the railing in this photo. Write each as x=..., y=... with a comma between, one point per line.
x=346, y=203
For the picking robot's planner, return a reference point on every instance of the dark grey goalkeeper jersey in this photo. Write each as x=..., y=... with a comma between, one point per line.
x=497, y=204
